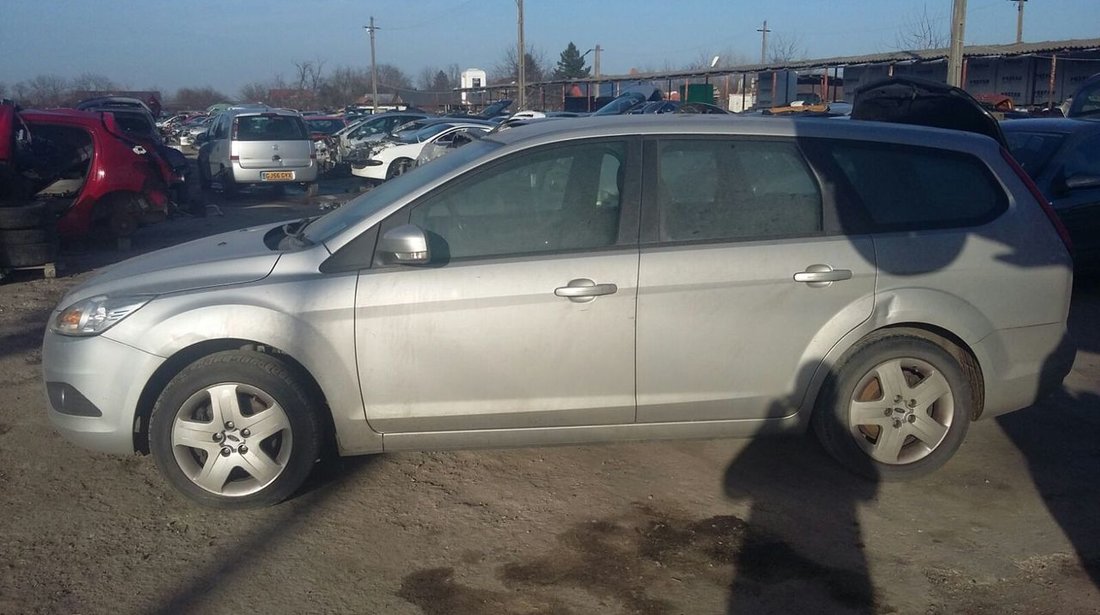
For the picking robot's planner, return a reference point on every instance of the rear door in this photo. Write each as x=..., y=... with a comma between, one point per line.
x=744, y=280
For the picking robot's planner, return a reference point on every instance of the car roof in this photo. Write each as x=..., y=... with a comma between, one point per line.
x=261, y=111
x=708, y=124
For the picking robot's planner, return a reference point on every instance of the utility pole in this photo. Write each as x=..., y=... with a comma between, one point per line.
x=764, y=42
x=955, y=54
x=596, y=68
x=522, y=62
x=1019, y=20
x=373, y=69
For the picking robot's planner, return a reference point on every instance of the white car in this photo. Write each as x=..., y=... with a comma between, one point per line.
x=389, y=159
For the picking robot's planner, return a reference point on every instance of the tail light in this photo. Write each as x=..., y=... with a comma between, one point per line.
x=233, y=136
x=1043, y=202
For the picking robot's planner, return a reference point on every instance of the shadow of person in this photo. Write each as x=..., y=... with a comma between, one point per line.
x=1058, y=436
x=803, y=547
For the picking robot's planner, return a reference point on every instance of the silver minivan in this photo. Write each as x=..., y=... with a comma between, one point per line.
x=591, y=280
x=258, y=145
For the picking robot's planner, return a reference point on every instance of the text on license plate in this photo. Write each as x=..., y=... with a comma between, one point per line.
x=277, y=176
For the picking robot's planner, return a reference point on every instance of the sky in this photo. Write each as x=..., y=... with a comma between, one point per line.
x=225, y=44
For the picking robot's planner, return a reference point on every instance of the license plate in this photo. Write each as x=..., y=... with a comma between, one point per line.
x=277, y=176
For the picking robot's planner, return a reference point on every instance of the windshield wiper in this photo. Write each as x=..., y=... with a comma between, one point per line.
x=294, y=232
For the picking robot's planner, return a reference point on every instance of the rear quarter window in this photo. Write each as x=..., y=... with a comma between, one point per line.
x=905, y=187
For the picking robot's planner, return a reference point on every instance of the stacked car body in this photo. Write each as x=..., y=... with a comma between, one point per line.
x=83, y=169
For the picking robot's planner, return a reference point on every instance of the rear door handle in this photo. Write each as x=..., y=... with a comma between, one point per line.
x=583, y=290
x=821, y=275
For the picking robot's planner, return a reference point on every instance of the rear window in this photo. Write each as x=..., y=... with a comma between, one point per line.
x=907, y=187
x=269, y=127
x=326, y=126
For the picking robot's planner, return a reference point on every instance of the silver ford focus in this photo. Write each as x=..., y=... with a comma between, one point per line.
x=591, y=280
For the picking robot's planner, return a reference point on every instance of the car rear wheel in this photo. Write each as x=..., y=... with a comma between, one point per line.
x=236, y=429
x=899, y=407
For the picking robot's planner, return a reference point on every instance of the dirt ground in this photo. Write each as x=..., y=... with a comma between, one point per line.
x=1011, y=525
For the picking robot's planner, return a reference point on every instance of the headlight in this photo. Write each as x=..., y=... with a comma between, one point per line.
x=96, y=315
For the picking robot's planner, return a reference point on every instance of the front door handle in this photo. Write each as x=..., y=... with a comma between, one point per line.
x=820, y=275
x=583, y=290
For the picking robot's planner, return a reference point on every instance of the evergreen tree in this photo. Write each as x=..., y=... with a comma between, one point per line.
x=571, y=65
x=441, y=83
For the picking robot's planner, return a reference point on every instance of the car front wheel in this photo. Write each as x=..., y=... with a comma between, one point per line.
x=898, y=407
x=235, y=429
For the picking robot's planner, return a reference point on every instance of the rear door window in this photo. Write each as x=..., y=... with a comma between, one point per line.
x=734, y=189
x=906, y=187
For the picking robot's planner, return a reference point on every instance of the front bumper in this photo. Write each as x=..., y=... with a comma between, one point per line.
x=92, y=389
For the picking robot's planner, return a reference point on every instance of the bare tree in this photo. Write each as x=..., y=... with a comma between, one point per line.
x=254, y=92
x=92, y=82
x=42, y=91
x=507, y=71
x=3, y=90
x=426, y=77
x=922, y=30
x=198, y=98
x=391, y=78
x=454, y=74
x=310, y=74
x=345, y=86
x=785, y=48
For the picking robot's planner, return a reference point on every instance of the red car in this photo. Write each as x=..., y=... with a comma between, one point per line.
x=91, y=172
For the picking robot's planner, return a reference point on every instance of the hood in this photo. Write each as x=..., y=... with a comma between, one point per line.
x=906, y=100
x=235, y=257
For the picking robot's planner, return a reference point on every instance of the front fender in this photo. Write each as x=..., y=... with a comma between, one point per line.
x=311, y=320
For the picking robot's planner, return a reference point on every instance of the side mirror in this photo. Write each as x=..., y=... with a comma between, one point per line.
x=1082, y=182
x=405, y=245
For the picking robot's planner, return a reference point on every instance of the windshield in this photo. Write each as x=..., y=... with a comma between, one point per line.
x=430, y=131
x=1086, y=101
x=351, y=213
x=621, y=104
x=1033, y=150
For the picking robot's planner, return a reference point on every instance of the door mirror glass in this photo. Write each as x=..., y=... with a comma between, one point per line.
x=405, y=245
x=1082, y=182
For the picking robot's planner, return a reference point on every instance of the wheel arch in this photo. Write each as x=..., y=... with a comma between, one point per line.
x=188, y=355
x=941, y=336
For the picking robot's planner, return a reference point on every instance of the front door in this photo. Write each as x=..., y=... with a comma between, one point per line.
x=525, y=317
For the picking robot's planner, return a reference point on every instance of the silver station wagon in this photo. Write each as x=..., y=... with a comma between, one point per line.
x=591, y=280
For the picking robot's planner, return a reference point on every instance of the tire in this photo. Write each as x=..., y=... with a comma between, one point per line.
x=921, y=385
x=27, y=255
x=24, y=216
x=399, y=167
x=311, y=189
x=187, y=433
x=230, y=188
x=204, y=174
